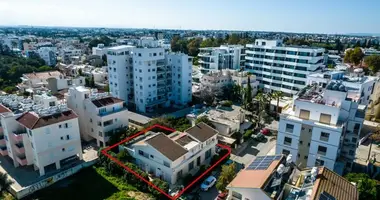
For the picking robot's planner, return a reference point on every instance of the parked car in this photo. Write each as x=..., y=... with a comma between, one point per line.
x=259, y=137
x=222, y=196
x=208, y=183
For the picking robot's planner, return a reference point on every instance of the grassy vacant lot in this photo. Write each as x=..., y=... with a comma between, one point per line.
x=92, y=183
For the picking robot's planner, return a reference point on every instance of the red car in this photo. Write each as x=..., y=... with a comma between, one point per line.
x=265, y=131
x=222, y=196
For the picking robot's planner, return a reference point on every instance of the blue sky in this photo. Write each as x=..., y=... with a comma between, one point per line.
x=321, y=16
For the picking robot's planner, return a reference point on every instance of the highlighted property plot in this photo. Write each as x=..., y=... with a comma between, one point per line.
x=166, y=129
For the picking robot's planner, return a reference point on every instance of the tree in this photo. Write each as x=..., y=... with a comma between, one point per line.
x=248, y=93
x=205, y=120
x=373, y=62
x=174, y=44
x=233, y=39
x=354, y=56
x=262, y=101
x=44, y=68
x=4, y=182
x=193, y=46
x=367, y=187
x=226, y=176
x=278, y=95
x=338, y=45
x=104, y=58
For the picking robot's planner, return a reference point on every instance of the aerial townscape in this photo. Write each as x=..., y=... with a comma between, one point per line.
x=141, y=100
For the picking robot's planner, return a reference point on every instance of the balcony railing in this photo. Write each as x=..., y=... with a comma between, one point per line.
x=3, y=150
x=102, y=114
x=287, y=143
x=22, y=160
x=17, y=135
x=19, y=148
x=321, y=153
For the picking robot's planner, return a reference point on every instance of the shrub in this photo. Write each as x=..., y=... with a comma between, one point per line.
x=227, y=103
x=248, y=133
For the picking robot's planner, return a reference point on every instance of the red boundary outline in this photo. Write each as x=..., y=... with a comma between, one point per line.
x=104, y=152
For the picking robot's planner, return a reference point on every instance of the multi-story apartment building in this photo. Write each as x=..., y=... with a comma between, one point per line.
x=48, y=55
x=277, y=178
x=148, y=76
x=223, y=57
x=100, y=115
x=356, y=81
x=44, y=134
x=216, y=80
x=322, y=126
x=171, y=157
x=282, y=68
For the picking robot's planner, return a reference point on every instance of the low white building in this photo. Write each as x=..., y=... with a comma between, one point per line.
x=216, y=81
x=100, y=115
x=51, y=80
x=171, y=157
x=41, y=133
x=99, y=50
x=223, y=57
x=322, y=127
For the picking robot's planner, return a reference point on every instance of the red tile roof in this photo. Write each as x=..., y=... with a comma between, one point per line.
x=32, y=121
x=4, y=109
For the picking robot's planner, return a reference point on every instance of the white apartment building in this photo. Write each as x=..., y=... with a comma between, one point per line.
x=48, y=55
x=322, y=127
x=41, y=133
x=149, y=77
x=223, y=57
x=171, y=157
x=216, y=80
x=355, y=82
x=50, y=80
x=100, y=115
x=282, y=68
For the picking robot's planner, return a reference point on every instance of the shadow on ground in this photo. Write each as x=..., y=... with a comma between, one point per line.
x=87, y=184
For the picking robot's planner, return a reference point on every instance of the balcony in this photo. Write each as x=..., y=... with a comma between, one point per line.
x=17, y=135
x=19, y=148
x=102, y=114
x=21, y=160
x=3, y=150
x=323, y=153
x=160, y=62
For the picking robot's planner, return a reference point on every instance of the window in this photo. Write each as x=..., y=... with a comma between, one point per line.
x=306, y=157
x=304, y=114
x=60, y=126
x=288, y=141
x=319, y=162
x=324, y=136
x=63, y=149
x=61, y=138
x=166, y=164
x=325, y=118
x=66, y=125
x=351, y=152
x=191, y=165
x=354, y=140
x=289, y=128
x=285, y=152
x=91, y=120
x=322, y=150
x=67, y=137
x=301, y=142
x=100, y=134
x=52, y=103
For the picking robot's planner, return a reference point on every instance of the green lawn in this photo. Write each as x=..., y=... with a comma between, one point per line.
x=92, y=183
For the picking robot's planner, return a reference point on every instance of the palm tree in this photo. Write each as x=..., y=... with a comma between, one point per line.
x=262, y=100
x=4, y=182
x=278, y=95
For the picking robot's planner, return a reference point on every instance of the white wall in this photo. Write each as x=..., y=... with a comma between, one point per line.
x=249, y=193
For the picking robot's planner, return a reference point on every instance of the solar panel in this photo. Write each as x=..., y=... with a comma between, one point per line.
x=326, y=196
x=263, y=162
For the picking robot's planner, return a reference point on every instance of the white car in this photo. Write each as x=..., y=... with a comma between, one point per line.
x=208, y=183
